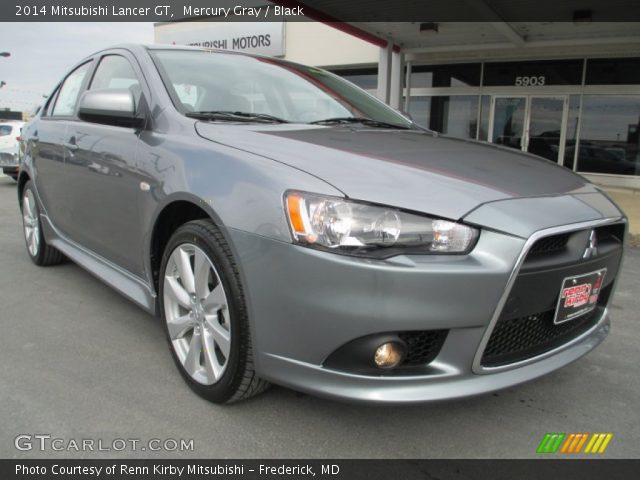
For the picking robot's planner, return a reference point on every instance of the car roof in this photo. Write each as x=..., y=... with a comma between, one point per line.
x=137, y=47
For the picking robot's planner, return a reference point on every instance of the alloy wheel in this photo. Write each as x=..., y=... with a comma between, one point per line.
x=30, y=222
x=197, y=314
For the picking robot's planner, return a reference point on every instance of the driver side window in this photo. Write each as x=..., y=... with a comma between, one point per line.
x=115, y=72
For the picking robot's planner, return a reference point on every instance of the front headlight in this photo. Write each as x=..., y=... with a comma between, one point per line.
x=361, y=229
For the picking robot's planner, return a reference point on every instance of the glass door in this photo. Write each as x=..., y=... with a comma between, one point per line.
x=545, y=127
x=508, y=121
x=530, y=123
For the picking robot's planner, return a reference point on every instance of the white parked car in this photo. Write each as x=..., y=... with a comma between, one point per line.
x=10, y=147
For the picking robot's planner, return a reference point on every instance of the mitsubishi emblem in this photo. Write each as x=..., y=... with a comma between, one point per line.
x=592, y=248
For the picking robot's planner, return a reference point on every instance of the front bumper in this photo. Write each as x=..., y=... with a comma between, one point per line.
x=446, y=383
x=305, y=304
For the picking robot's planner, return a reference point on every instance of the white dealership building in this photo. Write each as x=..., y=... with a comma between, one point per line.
x=567, y=91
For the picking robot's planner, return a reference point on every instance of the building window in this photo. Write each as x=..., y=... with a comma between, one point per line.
x=573, y=117
x=366, y=78
x=454, y=75
x=613, y=71
x=609, y=135
x=452, y=115
x=509, y=121
x=419, y=109
x=485, y=112
x=533, y=74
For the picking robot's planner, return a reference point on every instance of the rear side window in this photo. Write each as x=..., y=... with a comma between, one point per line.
x=5, y=130
x=70, y=91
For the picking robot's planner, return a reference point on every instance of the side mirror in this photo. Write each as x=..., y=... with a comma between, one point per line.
x=110, y=106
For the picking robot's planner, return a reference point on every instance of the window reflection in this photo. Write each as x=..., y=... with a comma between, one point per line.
x=452, y=115
x=508, y=121
x=419, y=109
x=545, y=124
x=485, y=112
x=454, y=75
x=609, y=135
x=572, y=131
x=366, y=78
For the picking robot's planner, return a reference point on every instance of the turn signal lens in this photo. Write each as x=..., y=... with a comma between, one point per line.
x=388, y=355
x=293, y=205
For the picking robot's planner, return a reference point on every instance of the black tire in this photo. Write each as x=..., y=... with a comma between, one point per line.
x=45, y=254
x=239, y=380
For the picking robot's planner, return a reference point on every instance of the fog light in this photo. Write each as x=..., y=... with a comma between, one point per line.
x=388, y=355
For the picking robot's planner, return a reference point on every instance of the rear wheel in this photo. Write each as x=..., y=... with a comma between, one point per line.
x=39, y=251
x=205, y=315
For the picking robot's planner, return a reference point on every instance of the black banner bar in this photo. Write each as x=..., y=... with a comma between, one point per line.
x=579, y=11
x=543, y=469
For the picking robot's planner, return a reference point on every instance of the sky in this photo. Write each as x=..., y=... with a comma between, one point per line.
x=42, y=53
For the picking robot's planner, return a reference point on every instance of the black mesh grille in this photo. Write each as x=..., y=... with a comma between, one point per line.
x=525, y=328
x=551, y=244
x=423, y=346
x=525, y=337
x=610, y=234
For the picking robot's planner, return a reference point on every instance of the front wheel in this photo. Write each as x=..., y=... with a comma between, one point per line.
x=205, y=315
x=40, y=252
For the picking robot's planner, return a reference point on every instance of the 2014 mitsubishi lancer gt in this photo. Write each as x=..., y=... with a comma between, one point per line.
x=290, y=228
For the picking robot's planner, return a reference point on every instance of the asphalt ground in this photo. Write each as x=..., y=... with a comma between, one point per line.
x=79, y=361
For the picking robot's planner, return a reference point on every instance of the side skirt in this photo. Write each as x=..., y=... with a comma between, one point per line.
x=129, y=285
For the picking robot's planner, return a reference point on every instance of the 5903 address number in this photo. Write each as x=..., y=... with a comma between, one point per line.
x=530, y=81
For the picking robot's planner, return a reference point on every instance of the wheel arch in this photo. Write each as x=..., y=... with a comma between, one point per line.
x=174, y=212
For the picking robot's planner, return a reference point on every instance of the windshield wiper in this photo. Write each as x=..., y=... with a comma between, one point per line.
x=369, y=122
x=235, y=116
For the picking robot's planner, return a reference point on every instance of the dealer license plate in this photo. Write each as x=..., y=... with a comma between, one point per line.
x=579, y=295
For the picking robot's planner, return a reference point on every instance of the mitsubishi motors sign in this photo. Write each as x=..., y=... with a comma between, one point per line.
x=266, y=38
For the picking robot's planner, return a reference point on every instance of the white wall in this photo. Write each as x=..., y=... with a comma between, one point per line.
x=319, y=44
x=310, y=43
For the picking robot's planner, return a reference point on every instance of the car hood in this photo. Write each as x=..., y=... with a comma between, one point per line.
x=413, y=170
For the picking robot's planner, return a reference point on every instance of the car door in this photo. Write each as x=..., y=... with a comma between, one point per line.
x=46, y=138
x=105, y=184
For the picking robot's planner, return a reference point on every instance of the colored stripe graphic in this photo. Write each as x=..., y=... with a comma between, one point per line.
x=598, y=443
x=572, y=443
x=551, y=442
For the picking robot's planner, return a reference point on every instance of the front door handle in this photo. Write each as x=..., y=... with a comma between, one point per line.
x=71, y=145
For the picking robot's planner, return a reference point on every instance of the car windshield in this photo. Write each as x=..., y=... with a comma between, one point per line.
x=218, y=84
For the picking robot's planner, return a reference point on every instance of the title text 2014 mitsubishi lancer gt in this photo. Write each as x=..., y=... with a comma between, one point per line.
x=290, y=228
